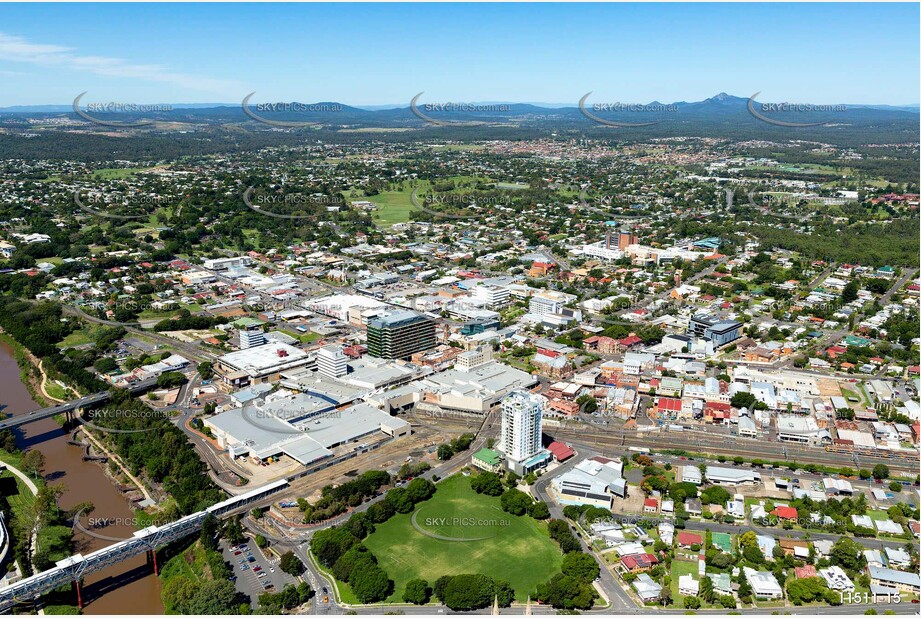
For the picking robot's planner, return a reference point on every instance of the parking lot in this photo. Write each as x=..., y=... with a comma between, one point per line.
x=254, y=572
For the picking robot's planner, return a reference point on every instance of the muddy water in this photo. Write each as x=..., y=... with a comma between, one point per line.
x=125, y=588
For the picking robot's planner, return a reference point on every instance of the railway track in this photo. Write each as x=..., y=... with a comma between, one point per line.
x=732, y=446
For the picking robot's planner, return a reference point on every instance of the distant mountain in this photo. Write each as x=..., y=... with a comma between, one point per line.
x=721, y=99
x=722, y=115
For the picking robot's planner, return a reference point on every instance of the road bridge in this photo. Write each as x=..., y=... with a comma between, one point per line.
x=78, y=566
x=69, y=407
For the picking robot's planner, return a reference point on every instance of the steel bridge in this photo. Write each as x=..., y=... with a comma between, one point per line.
x=70, y=406
x=78, y=566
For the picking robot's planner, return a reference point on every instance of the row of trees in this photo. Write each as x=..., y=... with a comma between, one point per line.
x=335, y=500
x=459, y=444
x=572, y=588
x=341, y=549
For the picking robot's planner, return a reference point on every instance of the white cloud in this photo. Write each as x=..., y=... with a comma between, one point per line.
x=17, y=49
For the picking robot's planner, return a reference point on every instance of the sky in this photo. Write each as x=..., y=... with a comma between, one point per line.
x=375, y=54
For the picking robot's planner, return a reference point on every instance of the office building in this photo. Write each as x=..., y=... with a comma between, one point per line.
x=720, y=332
x=331, y=361
x=251, y=338
x=400, y=334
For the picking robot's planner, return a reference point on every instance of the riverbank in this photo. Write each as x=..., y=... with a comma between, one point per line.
x=129, y=587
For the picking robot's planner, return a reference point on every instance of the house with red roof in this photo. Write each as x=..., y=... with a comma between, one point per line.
x=638, y=563
x=651, y=505
x=600, y=343
x=687, y=539
x=717, y=412
x=667, y=407
x=560, y=451
x=805, y=571
x=784, y=512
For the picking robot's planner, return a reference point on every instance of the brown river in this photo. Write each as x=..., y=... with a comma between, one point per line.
x=129, y=587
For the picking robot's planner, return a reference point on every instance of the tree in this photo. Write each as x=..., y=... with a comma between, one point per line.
x=261, y=541
x=417, y=592
x=706, y=589
x=568, y=593
x=400, y=500
x=370, y=583
x=806, y=590
x=753, y=554
x=210, y=527
x=515, y=502
x=849, y=293
x=105, y=364
x=233, y=531
x=420, y=489
x=445, y=452
x=665, y=597
x=357, y=557
x=33, y=462
x=439, y=588
x=291, y=564
x=487, y=483
x=467, y=592
x=215, y=597
x=587, y=404
x=329, y=544
x=748, y=539
x=540, y=510
x=880, y=472
x=581, y=566
x=171, y=379
x=847, y=553
x=178, y=592
x=714, y=495
x=691, y=603
x=743, y=399
x=205, y=369
x=895, y=486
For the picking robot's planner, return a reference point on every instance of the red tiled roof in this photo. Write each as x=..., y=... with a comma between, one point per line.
x=560, y=451
x=784, y=512
x=639, y=560
x=668, y=403
x=688, y=539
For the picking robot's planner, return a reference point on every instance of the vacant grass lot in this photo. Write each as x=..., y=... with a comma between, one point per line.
x=490, y=541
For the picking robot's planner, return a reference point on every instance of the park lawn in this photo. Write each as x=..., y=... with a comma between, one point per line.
x=520, y=551
x=118, y=172
x=392, y=207
x=77, y=338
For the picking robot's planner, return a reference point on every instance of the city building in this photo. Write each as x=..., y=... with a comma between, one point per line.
x=250, y=338
x=520, y=439
x=400, y=334
x=720, y=332
x=263, y=363
x=332, y=361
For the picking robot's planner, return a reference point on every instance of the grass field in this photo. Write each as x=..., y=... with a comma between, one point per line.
x=115, y=173
x=516, y=549
x=679, y=568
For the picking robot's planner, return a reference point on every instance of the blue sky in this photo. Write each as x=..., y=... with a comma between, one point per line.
x=364, y=54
